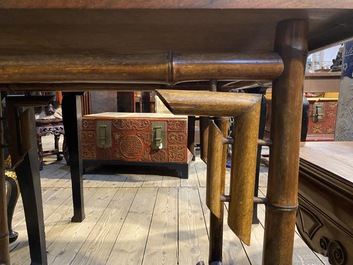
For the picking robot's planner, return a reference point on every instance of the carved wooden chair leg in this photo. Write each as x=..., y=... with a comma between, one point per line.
x=59, y=157
x=12, y=193
x=40, y=151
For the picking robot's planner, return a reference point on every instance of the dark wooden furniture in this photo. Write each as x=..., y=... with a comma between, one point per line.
x=53, y=127
x=325, y=212
x=74, y=46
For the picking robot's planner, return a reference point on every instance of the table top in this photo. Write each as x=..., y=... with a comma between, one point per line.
x=154, y=26
x=68, y=34
x=334, y=157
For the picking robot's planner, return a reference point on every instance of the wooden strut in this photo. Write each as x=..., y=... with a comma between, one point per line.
x=216, y=174
x=243, y=172
x=245, y=108
x=204, y=128
x=258, y=200
x=207, y=103
x=261, y=142
x=170, y=68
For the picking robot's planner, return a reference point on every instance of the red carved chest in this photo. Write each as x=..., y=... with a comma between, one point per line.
x=135, y=137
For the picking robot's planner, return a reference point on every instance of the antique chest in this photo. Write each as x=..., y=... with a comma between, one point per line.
x=136, y=139
x=322, y=119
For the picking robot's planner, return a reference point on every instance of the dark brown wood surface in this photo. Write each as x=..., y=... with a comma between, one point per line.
x=336, y=157
x=92, y=29
x=131, y=31
x=126, y=4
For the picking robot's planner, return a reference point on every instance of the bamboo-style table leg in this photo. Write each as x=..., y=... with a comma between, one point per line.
x=216, y=222
x=204, y=124
x=287, y=96
x=4, y=234
x=255, y=219
x=72, y=116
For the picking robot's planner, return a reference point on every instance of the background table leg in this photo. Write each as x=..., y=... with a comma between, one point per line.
x=72, y=116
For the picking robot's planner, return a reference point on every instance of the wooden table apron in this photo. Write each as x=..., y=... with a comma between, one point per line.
x=115, y=44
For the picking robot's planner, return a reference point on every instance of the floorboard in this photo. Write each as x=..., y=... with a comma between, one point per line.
x=134, y=218
x=162, y=243
x=130, y=245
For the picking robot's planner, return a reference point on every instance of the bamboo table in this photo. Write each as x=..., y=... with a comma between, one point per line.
x=74, y=46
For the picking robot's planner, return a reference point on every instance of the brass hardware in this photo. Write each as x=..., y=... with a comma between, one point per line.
x=104, y=137
x=158, y=135
x=318, y=112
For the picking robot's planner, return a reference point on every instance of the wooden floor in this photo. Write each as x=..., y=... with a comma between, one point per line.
x=137, y=219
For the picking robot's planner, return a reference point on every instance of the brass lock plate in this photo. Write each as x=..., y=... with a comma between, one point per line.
x=159, y=135
x=318, y=112
x=103, y=132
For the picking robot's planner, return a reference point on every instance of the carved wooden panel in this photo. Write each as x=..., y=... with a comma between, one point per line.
x=322, y=119
x=325, y=215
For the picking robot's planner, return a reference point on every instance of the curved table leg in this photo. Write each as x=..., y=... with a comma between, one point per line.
x=29, y=180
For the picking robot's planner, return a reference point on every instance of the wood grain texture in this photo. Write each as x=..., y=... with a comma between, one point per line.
x=207, y=103
x=193, y=241
x=162, y=246
x=214, y=186
x=282, y=194
x=276, y=4
x=129, y=247
x=65, y=252
x=161, y=68
x=243, y=171
x=55, y=29
x=96, y=247
x=99, y=243
x=335, y=157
